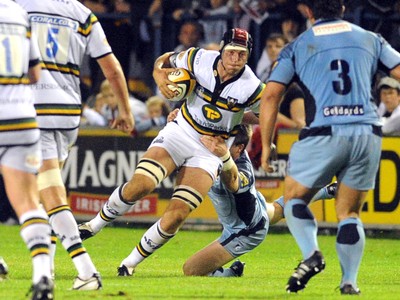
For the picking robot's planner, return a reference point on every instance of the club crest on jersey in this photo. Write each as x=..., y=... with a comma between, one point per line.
x=200, y=91
x=244, y=179
x=231, y=102
x=212, y=113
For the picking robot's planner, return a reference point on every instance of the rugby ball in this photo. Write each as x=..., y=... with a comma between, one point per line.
x=186, y=83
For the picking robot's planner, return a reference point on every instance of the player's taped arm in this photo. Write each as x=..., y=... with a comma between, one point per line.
x=229, y=173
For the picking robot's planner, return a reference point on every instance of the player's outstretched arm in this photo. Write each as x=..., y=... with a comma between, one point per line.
x=269, y=108
x=113, y=72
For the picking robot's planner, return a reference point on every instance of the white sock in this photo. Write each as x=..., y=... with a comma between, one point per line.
x=112, y=209
x=64, y=225
x=35, y=231
x=153, y=239
x=53, y=247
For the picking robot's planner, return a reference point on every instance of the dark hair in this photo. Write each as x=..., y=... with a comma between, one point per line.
x=198, y=27
x=243, y=136
x=274, y=36
x=325, y=9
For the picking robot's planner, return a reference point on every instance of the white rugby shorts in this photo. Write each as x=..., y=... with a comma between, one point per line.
x=24, y=158
x=57, y=143
x=186, y=150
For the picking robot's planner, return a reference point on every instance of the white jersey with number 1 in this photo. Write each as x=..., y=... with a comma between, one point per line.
x=18, y=50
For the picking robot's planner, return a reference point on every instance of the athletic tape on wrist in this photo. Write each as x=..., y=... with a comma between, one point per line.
x=227, y=162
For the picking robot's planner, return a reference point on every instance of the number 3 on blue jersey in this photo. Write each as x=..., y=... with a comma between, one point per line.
x=342, y=87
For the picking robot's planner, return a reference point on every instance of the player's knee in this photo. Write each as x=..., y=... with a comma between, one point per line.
x=301, y=211
x=188, y=195
x=188, y=270
x=49, y=178
x=152, y=169
x=343, y=213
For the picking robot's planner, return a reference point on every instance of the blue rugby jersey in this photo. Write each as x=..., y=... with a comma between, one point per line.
x=334, y=62
x=243, y=209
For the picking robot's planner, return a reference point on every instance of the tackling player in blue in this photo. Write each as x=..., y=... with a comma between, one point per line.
x=334, y=61
x=242, y=210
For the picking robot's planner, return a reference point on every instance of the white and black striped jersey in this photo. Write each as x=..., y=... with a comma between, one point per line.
x=66, y=31
x=18, y=51
x=216, y=108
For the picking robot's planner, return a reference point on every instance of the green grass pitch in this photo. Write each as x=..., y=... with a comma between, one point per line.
x=160, y=276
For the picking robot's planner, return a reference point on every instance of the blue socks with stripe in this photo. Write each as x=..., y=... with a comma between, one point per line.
x=302, y=225
x=350, y=243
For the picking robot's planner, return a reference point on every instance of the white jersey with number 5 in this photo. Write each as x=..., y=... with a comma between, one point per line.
x=216, y=108
x=17, y=52
x=66, y=30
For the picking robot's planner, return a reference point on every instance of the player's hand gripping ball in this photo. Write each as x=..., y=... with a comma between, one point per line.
x=186, y=83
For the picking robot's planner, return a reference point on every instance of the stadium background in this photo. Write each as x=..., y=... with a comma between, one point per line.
x=103, y=159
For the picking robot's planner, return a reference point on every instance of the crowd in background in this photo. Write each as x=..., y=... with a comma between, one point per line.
x=139, y=30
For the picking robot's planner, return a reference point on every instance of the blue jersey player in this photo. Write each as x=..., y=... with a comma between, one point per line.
x=242, y=210
x=334, y=61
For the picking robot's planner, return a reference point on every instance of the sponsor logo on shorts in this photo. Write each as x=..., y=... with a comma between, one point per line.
x=343, y=110
x=61, y=238
x=32, y=161
x=211, y=113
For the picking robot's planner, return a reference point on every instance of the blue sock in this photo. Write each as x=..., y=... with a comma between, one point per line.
x=321, y=195
x=350, y=242
x=280, y=201
x=223, y=272
x=302, y=225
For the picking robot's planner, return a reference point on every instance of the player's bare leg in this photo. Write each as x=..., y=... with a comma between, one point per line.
x=208, y=260
x=154, y=166
x=192, y=184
